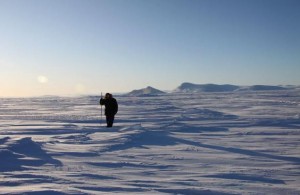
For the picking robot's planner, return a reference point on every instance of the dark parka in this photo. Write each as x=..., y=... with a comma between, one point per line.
x=111, y=106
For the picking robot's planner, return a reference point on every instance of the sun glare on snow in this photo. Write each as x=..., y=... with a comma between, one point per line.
x=42, y=79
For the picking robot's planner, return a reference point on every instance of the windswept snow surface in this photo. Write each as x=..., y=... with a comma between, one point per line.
x=208, y=143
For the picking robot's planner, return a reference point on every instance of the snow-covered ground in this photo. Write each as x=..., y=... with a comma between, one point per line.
x=203, y=143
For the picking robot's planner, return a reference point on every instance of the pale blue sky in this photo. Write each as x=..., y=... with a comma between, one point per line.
x=67, y=47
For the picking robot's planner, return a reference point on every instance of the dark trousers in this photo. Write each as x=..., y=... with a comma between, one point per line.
x=110, y=120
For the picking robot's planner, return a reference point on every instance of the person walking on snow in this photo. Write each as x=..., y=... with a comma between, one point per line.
x=111, y=108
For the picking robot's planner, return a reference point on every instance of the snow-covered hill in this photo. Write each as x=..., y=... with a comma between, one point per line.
x=190, y=87
x=148, y=91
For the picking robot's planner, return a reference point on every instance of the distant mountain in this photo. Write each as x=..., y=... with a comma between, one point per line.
x=190, y=87
x=265, y=87
x=148, y=91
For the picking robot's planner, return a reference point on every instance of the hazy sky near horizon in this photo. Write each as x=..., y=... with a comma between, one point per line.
x=64, y=47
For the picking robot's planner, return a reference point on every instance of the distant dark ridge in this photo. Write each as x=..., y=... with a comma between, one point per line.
x=148, y=91
x=265, y=87
x=187, y=87
x=190, y=87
